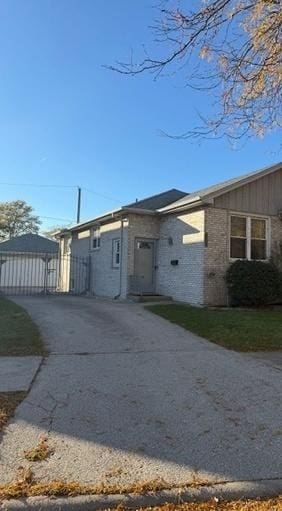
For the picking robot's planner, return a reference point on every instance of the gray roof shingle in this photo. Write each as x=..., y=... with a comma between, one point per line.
x=222, y=187
x=158, y=201
x=29, y=243
x=173, y=199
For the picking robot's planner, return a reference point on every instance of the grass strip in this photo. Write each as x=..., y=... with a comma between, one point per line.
x=19, y=336
x=25, y=486
x=240, y=330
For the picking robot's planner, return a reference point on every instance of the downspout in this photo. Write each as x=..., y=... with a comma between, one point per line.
x=121, y=260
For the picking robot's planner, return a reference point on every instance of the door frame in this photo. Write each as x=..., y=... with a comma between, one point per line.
x=154, y=243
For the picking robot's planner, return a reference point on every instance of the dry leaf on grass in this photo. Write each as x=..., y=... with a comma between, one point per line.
x=8, y=403
x=246, y=505
x=26, y=486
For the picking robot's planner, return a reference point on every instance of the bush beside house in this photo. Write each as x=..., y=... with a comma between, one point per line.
x=253, y=283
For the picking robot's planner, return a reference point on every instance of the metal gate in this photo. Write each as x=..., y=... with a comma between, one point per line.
x=73, y=275
x=37, y=273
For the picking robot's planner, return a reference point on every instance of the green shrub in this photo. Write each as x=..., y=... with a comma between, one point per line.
x=253, y=283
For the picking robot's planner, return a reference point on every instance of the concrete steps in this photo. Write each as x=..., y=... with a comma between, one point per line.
x=149, y=298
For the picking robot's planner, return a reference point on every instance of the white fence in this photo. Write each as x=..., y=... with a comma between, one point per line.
x=35, y=273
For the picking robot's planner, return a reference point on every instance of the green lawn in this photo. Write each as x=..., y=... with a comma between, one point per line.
x=19, y=336
x=234, y=329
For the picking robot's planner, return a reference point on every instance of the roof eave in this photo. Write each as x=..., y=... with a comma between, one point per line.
x=140, y=211
x=246, y=180
x=208, y=198
x=175, y=206
x=188, y=205
x=105, y=218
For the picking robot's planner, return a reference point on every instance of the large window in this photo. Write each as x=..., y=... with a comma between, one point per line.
x=96, y=240
x=248, y=238
x=116, y=253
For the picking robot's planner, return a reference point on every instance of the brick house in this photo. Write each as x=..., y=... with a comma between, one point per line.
x=181, y=244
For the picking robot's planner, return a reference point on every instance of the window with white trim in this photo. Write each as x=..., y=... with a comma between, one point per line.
x=248, y=238
x=116, y=253
x=96, y=239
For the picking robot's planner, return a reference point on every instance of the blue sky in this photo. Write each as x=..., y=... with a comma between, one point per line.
x=66, y=120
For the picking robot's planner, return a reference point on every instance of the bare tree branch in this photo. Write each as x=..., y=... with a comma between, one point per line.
x=232, y=48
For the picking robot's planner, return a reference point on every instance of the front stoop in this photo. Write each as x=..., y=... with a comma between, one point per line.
x=149, y=298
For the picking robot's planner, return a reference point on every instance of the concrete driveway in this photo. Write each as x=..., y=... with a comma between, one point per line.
x=126, y=396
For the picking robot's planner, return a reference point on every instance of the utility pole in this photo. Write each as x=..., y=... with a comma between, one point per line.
x=78, y=204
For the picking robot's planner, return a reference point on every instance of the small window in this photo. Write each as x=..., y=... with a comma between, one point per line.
x=248, y=238
x=143, y=245
x=116, y=253
x=96, y=239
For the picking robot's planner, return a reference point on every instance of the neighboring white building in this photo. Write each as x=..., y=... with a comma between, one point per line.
x=179, y=244
x=28, y=263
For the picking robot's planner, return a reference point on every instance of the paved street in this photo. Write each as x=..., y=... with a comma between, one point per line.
x=126, y=396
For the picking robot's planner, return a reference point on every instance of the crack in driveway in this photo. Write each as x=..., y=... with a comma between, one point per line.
x=177, y=406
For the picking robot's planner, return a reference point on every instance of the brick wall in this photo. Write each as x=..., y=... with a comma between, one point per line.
x=181, y=238
x=80, y=246
x=276, y=236
x=217, y=252
x=216, y=256
x=105, y=279
x=199, y=276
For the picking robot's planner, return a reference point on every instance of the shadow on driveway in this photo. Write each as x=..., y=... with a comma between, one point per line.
x=124, y=396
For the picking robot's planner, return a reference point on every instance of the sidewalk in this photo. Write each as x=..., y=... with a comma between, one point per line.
x=17, y=373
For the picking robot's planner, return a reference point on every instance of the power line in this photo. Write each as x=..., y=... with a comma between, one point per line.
x=39, y=185
x=34, y=185
x=101, y=195
x=52, y=185
x=56, y=218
